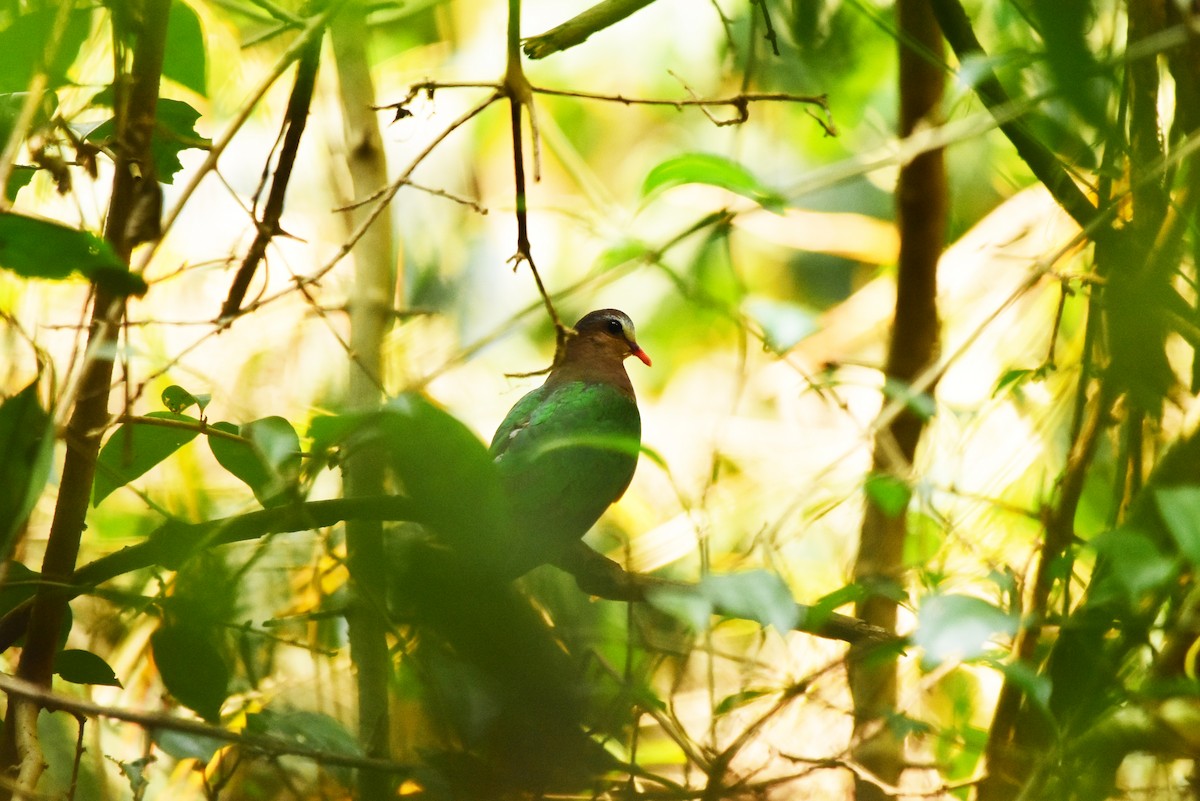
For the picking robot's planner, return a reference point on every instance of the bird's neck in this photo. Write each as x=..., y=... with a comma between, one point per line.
x=593, y=365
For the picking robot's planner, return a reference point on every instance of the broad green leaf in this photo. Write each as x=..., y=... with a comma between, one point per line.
x=1180, y=510
x=756, y=595
x=27, y=445
x=175, y=132
x=309, y=729
x=184, y=59
x=185, y=745
x=192, y=667
x=34, y=248
x=783, y=324
x=1134, y=561
x=266, y=459
x=84, y=667
x=136, y=447
x=23, y=43
x=959, y=627
x=439, y=461
x=924, y=539
x=707, y=168
x=888, y=494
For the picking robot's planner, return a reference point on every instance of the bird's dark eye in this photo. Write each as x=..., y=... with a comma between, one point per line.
x=615, y=327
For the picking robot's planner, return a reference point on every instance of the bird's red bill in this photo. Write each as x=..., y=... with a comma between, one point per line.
x=641, y=354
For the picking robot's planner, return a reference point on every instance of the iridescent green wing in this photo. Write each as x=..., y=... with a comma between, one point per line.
x=564, y=455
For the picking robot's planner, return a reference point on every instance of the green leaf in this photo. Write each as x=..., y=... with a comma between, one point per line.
x=707, y=168
x=84, y=667
x=1180, y=510
x=924, y=539
x=756, y=595
x=192, y=668
x=440, y=463
x=888, y=494
x=266, y=459
x=184, y=58
x=1135, y=562
x=175, y=132
x=136, y=447
x=783, y=324
x=178, y=400
x=732, y=702
x=310, y=730
x=185, y=745
x=34, y=248
x=27, y=442
x=19, y=178
x=959, y=627
x=23, y=43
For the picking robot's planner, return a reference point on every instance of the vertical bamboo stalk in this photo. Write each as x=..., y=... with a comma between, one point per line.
x=921, y=216
x=370, y=317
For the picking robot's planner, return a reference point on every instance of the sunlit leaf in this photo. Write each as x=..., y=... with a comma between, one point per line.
x=23, y=44
x=184, y=57
x=707, y=168
x=176, y=132
x=1180, y=510
x=756, y=595
x=923, y=539
x=889, y=494
x=136, y=447
x=1132, y=558
x=27, y=445
x=34, y=248
x=959, y=627
x=266, y=458
x=178, y=400
x=783, y=324
x=192, y=668
x=84, y=667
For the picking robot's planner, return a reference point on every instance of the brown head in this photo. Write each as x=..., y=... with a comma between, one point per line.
x=596, y=352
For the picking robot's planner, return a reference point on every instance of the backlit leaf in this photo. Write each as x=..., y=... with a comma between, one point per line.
x=959, y=627
x=27, y=442
x=84, y=667
x=135, y=447
x=192, y=668
x=707, y=168
x=34, y=248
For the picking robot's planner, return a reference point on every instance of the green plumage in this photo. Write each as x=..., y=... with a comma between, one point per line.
x=565, y=452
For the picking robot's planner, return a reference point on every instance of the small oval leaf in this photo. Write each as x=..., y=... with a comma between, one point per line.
x=84, y=667
x=192, y=667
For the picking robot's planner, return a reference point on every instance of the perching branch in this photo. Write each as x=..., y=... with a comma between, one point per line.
x=172, y=543
x=259, y=744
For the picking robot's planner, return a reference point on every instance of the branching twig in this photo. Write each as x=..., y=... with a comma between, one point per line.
x=270, y=746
